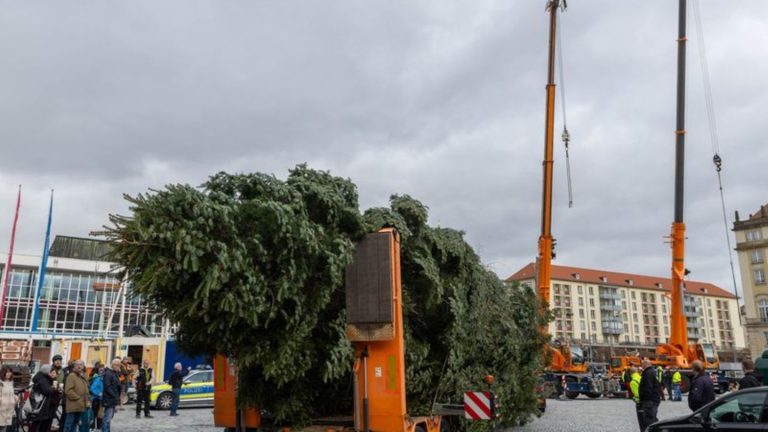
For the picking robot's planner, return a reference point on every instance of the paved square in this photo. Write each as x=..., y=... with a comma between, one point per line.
x=596, y=415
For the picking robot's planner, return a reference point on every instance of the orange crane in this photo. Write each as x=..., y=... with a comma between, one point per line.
x=567, y=367
x=563, y=359
x=677, y=352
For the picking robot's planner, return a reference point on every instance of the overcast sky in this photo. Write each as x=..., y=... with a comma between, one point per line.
x=440, y=100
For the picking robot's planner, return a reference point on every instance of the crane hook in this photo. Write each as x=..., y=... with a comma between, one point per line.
x=718, y=162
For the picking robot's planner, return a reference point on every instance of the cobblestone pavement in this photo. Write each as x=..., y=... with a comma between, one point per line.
x=189, y=420
x=580, y=415
x=598, y=415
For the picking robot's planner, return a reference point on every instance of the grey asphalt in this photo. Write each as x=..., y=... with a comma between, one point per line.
x=596, y=415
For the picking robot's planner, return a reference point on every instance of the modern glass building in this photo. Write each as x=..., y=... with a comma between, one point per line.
x=79, y=297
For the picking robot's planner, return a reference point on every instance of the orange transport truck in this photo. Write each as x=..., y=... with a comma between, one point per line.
x=375, y=327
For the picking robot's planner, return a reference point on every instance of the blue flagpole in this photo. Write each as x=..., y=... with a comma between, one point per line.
x=43, y=265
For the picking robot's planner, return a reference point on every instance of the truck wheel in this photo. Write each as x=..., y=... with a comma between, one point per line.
x=571, y=395
x=593, y=395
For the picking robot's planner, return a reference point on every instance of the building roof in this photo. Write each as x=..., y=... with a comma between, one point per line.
x=79, y=248
x=629, y=280
x=760, y=214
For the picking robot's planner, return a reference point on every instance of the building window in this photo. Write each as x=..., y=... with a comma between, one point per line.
x=759, y=277
x=633, y=295
x=757, y=256
x=581, y=301
x=762, y=307
x=634, y=306
x=592, y=302
x=665, y=319
x=594, y=328
x=753, y=235
x=581, y=313
x=637, y=328
x=579, y=290
x=591, y=291
x=592, y=314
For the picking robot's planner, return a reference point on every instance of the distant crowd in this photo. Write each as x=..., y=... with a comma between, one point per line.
x=88, y=400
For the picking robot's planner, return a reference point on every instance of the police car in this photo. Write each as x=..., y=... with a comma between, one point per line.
x=197, y=391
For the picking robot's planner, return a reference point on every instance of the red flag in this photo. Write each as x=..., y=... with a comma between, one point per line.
x=8, y=267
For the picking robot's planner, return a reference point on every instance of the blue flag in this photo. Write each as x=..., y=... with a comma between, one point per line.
x=43, y=265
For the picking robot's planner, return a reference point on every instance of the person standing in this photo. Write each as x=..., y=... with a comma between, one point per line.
x=7, y=398
x=649, y=394
x=126, y=376
x=660, y=377
x=702, y=390
x=176, y=381
x=76, y=395
x=143, y=388
x=751, y=377
x=677, y=381
x=666, y=380
x=43, y=384
x=634, y=393
x=96, y=389
x=110, y=396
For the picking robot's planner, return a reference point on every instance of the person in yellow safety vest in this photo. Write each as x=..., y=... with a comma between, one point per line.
x=634, y=388
x=677, y=380
x=659, y=376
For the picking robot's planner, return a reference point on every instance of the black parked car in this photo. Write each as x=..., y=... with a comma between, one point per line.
x=744, y=410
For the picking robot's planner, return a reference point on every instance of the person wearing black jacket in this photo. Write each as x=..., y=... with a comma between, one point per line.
x=649, y=394
x=110, y=396
x=751, y=378
x=702, y=391
x=176, y=381
x=144, y=379
x=42, y=384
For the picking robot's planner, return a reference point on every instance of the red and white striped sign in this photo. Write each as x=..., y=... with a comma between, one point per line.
x=477, y=405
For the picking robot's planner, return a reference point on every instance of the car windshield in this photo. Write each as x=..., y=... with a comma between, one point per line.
x=741, y=408
x=709, y=352
x=577, y=355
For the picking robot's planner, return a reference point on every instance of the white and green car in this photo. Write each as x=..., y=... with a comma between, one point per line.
x=197, y=391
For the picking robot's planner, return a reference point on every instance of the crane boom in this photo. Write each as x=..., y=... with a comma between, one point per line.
x=546, y=242
x=678, y=328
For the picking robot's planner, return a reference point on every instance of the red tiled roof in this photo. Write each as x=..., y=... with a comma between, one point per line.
x=564, y=273
x=763, y=212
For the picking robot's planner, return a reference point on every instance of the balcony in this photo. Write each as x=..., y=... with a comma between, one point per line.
x=692, y=313
x=613, y=327
x=609, y=295
x=611, y=307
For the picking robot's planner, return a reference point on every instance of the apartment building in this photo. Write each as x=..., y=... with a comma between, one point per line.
x=752, y=248
x=609, y=307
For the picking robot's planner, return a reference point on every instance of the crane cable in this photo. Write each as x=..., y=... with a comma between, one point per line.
x=565, y=136
x=713, y=134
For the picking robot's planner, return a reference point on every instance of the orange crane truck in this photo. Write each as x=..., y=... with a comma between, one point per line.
x=375, y=327
x=677, y=352
x=567, y=370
